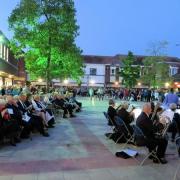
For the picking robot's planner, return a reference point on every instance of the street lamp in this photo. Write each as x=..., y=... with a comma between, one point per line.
x=40, y=80
x=92, y=82
x=66, y=81
x=166, y=84
x=116, y=83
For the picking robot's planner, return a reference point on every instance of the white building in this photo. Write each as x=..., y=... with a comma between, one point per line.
x=104, y=70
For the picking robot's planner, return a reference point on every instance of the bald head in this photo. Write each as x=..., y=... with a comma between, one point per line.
x=147, y=108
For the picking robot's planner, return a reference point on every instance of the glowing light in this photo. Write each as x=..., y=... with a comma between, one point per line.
x=92, y=82
x=176, y=83
x=166, y=84
x=10, y=76
x=139, y=84
x=116, y=83
x=40, y=80
x=66, y=81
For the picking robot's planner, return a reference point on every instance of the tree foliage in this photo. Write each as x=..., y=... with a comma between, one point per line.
x=46, y=31
x=130, y=71
x=156, y=71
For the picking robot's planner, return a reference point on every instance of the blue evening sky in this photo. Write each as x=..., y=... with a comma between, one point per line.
x=110, y=27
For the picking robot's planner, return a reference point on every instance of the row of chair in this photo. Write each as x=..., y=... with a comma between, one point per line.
x=137, y=138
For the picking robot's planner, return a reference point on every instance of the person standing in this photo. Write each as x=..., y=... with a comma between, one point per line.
x=91, y=93
x=170, y=98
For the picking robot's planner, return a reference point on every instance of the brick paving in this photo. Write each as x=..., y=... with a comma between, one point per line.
x=78, y=149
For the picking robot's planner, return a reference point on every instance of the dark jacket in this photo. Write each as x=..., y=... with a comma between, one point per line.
x=146, y=125
x=112, y=113
x=125, y=116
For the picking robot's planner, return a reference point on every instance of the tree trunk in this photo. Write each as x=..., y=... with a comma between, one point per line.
x=48, y=67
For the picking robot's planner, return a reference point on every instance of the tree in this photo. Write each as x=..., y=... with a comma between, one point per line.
x=156, y=71
x=130, y=71
x=46, y=31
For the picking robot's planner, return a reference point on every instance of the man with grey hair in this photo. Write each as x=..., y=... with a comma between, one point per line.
x=153, y=143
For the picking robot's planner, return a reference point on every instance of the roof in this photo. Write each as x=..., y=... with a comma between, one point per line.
x=91, y=59
x=117, y=59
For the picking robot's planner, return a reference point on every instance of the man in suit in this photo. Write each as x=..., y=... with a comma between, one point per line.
x=153, y=143
x=35, y=121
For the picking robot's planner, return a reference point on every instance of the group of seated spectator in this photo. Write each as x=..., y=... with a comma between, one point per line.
x=20, y=115
x=149, y=121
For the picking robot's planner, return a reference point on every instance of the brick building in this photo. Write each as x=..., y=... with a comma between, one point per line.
x=12, y=70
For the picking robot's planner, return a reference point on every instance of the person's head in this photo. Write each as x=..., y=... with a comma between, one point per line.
x=9, y=99
x=22, y=97
x=147, y=108
x=2, y=104
x=173, y=106
x=172, y=90
x=125, y=105
x=36, y=97
x=16, y=98
x=111, y=102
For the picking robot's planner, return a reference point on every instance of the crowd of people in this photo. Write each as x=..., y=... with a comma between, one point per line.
x=27, y=109
x=141, y=94
x=153, y=121
x=26, y=113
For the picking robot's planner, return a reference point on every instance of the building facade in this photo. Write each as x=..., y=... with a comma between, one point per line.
x=103, y=71
x=12, y=70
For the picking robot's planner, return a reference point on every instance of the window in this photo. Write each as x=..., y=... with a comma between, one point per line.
x=4, y=52
x=173, y=70
x=1, y=51
x=92, y=71
x=7, y=54
x=112, y=71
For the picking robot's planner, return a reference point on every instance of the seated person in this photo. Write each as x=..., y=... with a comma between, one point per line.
x=174, y=127
x=152, y=142
x=126, y=116
x=26, y=109
x=70, y=101
x=9, y=128
x=155, y=114
x=16, y=115
x=111, y=112
x=60, y=102
x=45, y=113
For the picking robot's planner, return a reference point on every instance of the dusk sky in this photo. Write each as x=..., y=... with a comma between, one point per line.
x=110, y=27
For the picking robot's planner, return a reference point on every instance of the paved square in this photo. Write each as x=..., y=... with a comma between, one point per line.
x=78, y=149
